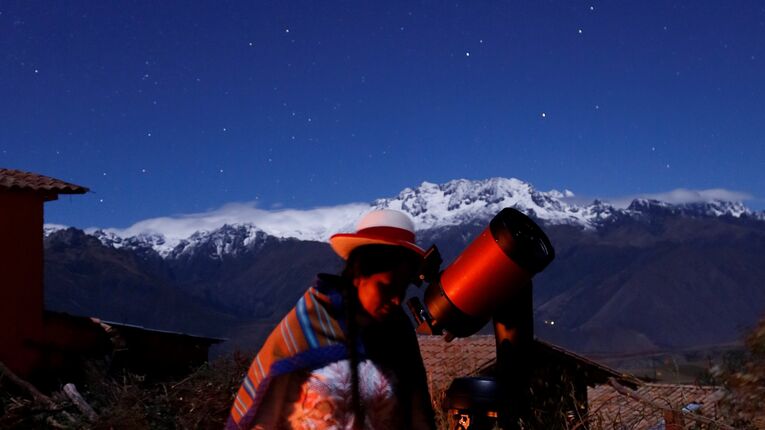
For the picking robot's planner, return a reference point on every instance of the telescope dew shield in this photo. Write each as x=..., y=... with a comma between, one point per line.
x=488, y=273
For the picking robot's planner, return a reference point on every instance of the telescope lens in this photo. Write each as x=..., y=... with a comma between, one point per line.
x=522, y=240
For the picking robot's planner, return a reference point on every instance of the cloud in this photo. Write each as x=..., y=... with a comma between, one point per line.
x=320, y=223
x=681, y=196
x=310, y=224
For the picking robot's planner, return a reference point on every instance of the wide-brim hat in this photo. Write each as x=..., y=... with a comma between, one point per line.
x=378, y=227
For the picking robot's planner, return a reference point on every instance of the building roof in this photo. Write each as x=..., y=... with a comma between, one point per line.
x=476, y=354
x=613, y=409
x=105, y=325
x=445, y=361
x=141, y=329
x=597, y=373
x=18, y=180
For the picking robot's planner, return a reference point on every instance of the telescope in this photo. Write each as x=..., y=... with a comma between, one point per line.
x=489, y=280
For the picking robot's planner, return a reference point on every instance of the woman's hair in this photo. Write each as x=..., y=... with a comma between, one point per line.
x=370, y=259
x=366, y=261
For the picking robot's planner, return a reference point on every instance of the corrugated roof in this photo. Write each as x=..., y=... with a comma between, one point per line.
x=124, y=326
x=18, y=180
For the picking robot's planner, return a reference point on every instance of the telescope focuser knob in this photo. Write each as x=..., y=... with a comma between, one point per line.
x=422, y=318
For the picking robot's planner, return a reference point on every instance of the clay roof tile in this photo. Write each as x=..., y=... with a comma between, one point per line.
x=18, y=180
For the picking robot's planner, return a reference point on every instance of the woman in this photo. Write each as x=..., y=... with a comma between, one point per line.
x=346, y=357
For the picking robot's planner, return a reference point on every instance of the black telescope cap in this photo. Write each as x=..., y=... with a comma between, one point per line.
x=522, y=240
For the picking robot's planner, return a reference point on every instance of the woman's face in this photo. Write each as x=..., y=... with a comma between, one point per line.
x=381, y=293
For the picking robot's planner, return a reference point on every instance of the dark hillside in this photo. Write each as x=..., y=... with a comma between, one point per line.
x=642, y=284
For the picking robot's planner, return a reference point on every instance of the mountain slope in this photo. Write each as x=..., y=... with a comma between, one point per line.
x=654, y=285
x=651, y=276
x=84, y=277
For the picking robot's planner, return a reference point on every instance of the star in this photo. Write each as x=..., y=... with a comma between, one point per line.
x=467, y=54
x=544, y=115
x=579, y=31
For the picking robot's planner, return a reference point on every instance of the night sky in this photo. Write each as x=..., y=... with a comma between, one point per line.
x=165, y=108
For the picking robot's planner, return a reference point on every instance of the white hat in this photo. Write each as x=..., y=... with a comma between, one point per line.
x=378, y=227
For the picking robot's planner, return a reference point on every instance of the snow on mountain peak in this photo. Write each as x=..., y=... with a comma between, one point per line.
x=713, y=208
x=169, y=236
x=460, y=201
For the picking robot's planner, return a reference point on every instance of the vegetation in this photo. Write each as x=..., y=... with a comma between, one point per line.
x=202, y=399
x=127, y=401
x=744, y=377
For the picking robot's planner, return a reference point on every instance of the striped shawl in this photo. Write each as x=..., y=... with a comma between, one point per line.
x=307, y=338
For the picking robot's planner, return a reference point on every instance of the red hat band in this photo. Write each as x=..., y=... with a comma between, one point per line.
x=387, y=233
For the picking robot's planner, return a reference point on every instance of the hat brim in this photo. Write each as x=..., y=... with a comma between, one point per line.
x=344, y=243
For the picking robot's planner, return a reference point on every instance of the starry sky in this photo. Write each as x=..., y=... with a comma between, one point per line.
x=179, y=107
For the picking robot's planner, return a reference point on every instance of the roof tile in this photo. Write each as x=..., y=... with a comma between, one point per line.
x=613, y=410
x=18, y=180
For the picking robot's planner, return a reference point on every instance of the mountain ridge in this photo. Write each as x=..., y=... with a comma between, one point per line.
x=431, y=206
x=647, y=277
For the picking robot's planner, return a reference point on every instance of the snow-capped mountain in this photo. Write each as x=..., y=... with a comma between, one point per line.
x=620, y=275
x=699, y=209
x=461, y=201
x=228, y=239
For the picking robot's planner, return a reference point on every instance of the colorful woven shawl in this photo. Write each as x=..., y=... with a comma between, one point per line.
x=307, y=338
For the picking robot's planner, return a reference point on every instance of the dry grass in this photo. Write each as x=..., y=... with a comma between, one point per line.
x=744, y=378
x=128, y=401
x=202, y=399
